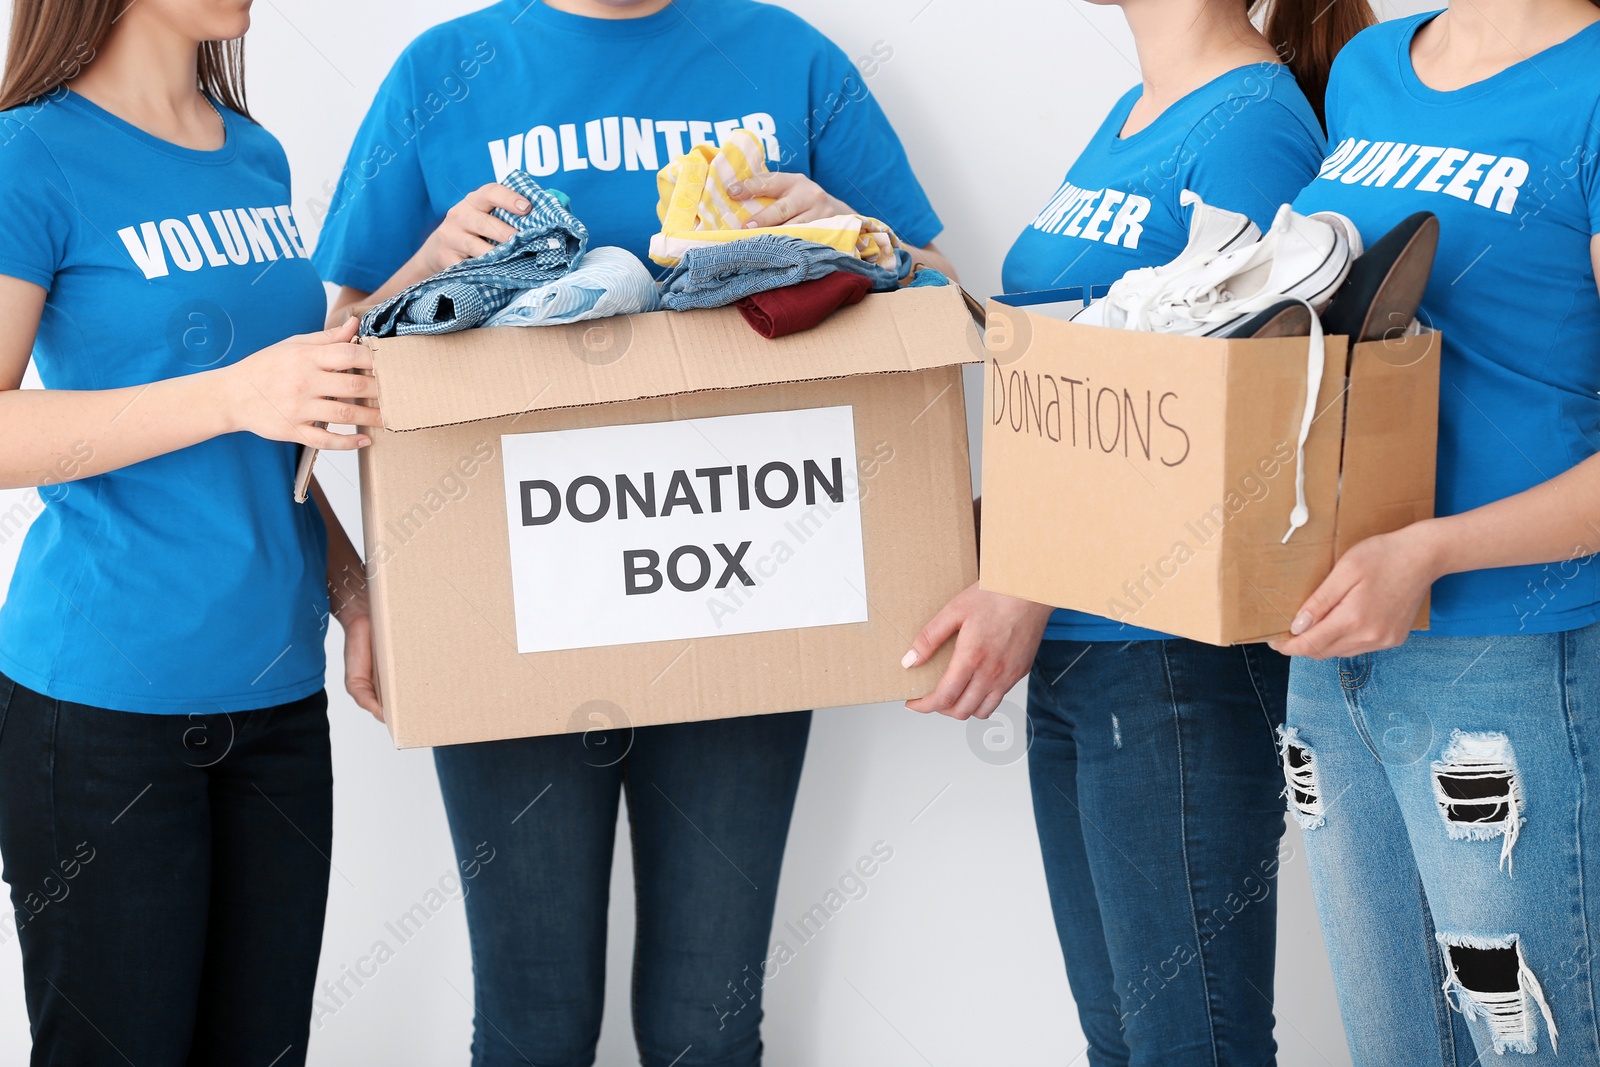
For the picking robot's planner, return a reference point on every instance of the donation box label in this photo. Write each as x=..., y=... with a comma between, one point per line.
x=673, y=530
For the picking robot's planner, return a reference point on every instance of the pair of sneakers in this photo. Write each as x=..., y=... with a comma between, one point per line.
x=1229, y=274
x=1231, y=281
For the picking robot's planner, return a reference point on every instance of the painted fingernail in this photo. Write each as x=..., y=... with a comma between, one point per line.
x=736, y=189
x=523, y=205
x=1302, y=623
x=750, y=225
x=909, y=660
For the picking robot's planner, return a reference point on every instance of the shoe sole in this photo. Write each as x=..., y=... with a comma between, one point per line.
x=1386, y=285
x=1287, y=319
x=1325, y=289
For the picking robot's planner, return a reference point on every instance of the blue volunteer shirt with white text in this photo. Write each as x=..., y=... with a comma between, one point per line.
x=594, y=107
x=190, y=582
x=1247, y=141
x=1509, y=165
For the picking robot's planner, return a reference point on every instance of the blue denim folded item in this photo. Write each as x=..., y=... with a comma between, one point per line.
x=548, y=244
x=716, y=275
x=608, y=281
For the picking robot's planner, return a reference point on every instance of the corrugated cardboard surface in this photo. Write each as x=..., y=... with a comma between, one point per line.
x=1194, y=548
x=483, y=374
x=1393, y=412
x=438, y=552
x=1262, y=582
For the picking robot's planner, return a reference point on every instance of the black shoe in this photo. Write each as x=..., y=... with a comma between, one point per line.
x=1381, y=296
x=1287, y=318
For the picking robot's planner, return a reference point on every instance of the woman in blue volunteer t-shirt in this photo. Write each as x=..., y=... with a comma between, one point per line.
x=592, y=97
x=165, y=783
x=1153, y=759
x=1446, y=779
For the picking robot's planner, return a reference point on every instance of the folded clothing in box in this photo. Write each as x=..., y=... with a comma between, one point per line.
x=549, y=241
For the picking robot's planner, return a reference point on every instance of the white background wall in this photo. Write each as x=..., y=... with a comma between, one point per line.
x=951, y=959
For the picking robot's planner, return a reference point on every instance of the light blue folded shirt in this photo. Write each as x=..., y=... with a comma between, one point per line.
x=607, y=281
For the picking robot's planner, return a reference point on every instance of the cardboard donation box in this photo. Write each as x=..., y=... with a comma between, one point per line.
x=1150, y=478
x=664, y=517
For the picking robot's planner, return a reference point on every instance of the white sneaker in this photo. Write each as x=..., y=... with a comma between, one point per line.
x=1300, y=258
x=1213, y=231
x=1343, y=224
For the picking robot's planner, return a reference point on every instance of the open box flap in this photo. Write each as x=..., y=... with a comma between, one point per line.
x=1393, y=415
x=463, y=377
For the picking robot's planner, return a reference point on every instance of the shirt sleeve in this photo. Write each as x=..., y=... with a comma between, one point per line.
x=1252, y=155
x=39, y=206
x=1590, y=171
x=380, y=212
x=855, y=153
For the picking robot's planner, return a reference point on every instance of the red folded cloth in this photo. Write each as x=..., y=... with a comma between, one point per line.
x=779, y=312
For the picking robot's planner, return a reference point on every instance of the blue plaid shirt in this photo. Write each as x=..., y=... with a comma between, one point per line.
x=549, y=242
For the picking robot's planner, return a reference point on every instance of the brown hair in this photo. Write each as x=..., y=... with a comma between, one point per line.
x=53, y=40
x=1308, y=35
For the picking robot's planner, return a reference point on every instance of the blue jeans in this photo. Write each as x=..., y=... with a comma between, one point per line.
x=717, y=275
x=169, y=874
x=708, y=806
x=1159, y=803
x=1445, y=787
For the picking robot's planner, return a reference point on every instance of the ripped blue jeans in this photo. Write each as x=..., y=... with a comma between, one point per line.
x=1445, y=792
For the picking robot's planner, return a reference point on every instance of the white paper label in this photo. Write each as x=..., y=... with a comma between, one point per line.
x=672, y=530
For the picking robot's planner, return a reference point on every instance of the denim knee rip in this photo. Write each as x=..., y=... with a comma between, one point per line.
x=1303, y=789
x=1479, y=791
x=1487, y=978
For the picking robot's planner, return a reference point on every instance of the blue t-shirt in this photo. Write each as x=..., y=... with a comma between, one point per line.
x=1509, y=165
x=594, y=107
x=1247, y=141
x=191, y=582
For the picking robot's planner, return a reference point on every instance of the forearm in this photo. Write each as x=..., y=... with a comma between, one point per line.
x=1555, y=520
x=48, y=436
x=347, y=575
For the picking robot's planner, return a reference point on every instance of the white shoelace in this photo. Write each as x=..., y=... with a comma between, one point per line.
x=1316, y=359
x=1143, y=287
x=1214, y=304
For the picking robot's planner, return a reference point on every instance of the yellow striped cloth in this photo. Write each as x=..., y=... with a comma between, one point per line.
x=695, y=208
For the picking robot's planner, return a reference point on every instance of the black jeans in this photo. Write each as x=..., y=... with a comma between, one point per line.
x=169, y=875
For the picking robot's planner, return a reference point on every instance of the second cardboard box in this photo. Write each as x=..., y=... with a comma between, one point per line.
x=1150, y=478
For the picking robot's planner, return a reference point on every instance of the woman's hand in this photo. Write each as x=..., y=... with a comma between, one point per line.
x=360, y=681
x=1371, y=599
x=469, y=229
x=351, y=603
x=283, y=392
x=467, y=232
x=796, y=198
x=997, y=637
x=799, y=199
